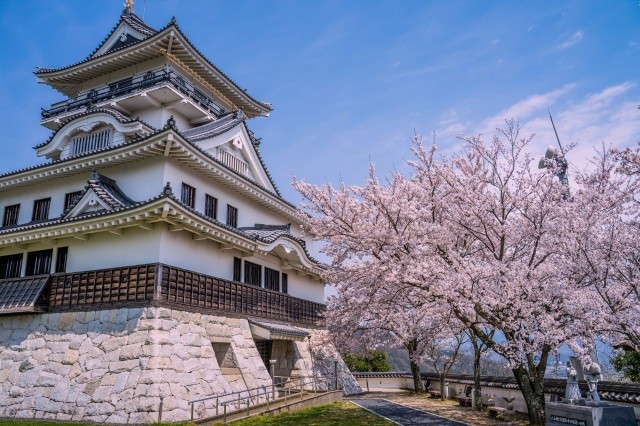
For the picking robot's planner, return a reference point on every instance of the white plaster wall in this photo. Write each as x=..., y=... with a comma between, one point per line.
x=180, y=250
x=249, y=211
x=140, y=181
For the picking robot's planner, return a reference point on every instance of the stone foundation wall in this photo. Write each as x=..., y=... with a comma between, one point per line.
x=114, y=365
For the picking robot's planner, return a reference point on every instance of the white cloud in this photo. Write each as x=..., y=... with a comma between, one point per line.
x=526, y=107
x=574, y=39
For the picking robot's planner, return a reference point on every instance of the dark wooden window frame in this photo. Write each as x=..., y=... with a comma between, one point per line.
x=70, y=199
x=11, y=265
x=237, y=269
x=188, y=195
x=211, y=206
x=39, y=262
x=61, y=259
x=232, y=216
x=271, y=279
x=252, y=273
x=11, y=215
x=41, y=209
x=285, y=283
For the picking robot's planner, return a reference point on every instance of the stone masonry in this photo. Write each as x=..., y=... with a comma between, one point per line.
x=114, y=365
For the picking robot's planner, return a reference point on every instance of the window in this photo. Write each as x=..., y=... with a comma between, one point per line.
x=11, y=214
x=237, y=267
x=61, y=259
x=41, y=209
x=90, y=142
x=232, y=216
x=264, y=349
x=210, y=206
x=188, y=196
x=39, y=262
x=285, y=283
x=10, y=266
x=271, y=279
x=252, y=273
x=71, y=199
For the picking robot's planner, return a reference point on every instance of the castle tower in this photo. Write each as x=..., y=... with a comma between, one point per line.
x=151, y=255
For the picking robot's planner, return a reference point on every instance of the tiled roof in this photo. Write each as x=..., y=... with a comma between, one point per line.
x=172, y=23
x=279, y=328
x=215, y=128
x=268, y=233
x=22, y=295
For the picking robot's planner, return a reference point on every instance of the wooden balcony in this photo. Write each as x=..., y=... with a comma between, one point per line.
x=163, y=285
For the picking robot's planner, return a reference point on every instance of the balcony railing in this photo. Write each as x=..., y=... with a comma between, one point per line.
x=132, y=85
x=232, y=161
x=178, y=288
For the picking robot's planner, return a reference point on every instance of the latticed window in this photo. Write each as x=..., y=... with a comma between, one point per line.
x=232, y=216
x=90, y=142
x=188, y=195
x=61, y=259
x=237, y=268
x=10, y=266
x=41, y=209
x=271, y=279
x=11, y=214
x=210, y=206
x=252, y=273
x=39, y=262
x=71, y=199
x=264, y=349
x=285, y=283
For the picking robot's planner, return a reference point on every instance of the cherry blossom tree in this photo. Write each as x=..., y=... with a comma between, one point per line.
x=481, y=235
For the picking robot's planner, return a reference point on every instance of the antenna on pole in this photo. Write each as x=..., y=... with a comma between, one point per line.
x=556, y=132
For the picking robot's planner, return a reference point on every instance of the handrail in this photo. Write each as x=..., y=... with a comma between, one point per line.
x=269, y=396
x=130, y=85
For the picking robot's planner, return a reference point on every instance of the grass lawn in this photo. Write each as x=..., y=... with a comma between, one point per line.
x=338, y=413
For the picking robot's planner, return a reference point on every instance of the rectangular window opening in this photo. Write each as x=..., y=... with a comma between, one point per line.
x=11, y=214
x=271, y=279
x=188, y=195
x=39, y=262
x=61, y=259
x=10, y=266
x=41, y=209
x=232, y=216
x=237, y=268
x=71, y=199
x=285, y=283
x=252, y=273
x=210, y=206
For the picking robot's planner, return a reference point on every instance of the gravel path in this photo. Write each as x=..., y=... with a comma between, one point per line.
x=403, y=415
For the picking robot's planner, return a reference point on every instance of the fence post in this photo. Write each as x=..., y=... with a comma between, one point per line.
x=225, y=414
x=192, y=404
x=160, y=410
x=217, y=405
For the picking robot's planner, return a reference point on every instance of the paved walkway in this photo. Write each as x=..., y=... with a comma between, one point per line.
x=403, y=415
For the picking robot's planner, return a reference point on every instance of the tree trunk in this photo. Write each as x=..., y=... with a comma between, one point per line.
x=441, y=378
x=476, y=376
x=418, y=386
x=530, y=380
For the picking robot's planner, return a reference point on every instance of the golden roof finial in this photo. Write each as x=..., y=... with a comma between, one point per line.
x=128, y=4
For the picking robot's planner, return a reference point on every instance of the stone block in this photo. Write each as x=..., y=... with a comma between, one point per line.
x=112, y=344
x=70, y=357
x=123, y=366
x=67, y=319
x=102, y=394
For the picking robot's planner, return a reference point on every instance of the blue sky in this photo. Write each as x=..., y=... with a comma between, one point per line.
x=352, y=80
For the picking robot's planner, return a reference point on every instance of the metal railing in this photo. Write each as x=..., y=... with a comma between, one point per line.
x=131, y=85
x=284, y=389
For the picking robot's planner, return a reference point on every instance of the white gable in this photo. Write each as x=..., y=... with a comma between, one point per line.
x=235, y=149
x=89, y=203
x=123, y=34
